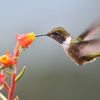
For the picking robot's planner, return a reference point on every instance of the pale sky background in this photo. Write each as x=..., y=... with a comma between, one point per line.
x=50, y=74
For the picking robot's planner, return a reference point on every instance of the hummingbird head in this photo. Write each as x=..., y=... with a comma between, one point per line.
x=59, y=34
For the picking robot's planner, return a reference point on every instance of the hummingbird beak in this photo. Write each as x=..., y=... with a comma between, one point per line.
x=41, y=35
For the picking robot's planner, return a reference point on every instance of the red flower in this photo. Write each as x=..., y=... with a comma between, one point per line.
x=2, y=79
x=2, y=76
x=7, y=59
x=25, y=39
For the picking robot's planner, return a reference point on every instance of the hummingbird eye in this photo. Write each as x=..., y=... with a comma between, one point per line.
x=55, y=33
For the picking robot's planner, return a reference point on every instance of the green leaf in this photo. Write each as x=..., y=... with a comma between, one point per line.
x=2, y=67
x=12, y=67
x=16, y=98
x=20, y=74
x=5, y=78
x=1, y=86
x=2, y=97
x=9, y=73
x=15, y=59
x=3, y=71
x=20, y=50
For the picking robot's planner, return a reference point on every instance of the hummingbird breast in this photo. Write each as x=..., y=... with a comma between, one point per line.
x=71, y=49
x=73, y=52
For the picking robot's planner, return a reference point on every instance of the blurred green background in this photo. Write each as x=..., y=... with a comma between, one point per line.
x=50, y=74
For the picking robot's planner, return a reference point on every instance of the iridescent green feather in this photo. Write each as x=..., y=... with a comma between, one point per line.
x=62, y=30
x=92, y=56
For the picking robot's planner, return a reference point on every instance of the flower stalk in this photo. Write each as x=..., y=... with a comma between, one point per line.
x=7, y=87
x=13, y=86
x=10, y=62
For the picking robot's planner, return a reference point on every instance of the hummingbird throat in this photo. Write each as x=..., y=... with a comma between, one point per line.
x=66, y=43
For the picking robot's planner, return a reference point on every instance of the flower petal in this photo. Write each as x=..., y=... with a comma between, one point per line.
x=25, y=39
x=7, y=59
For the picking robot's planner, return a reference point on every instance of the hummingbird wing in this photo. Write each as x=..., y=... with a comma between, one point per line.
x=90, y=32
x=88, y=47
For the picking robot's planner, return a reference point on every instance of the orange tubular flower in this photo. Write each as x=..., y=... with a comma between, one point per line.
x=25, y=39
x=7, y=59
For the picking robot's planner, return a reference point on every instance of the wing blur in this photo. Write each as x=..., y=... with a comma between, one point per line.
x=91, y=32
x=88, y=47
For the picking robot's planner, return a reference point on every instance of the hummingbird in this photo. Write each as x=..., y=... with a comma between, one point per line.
x=84, y=48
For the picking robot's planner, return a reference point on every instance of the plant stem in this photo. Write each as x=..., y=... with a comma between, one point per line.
x=13, y=84
x=6, y=86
